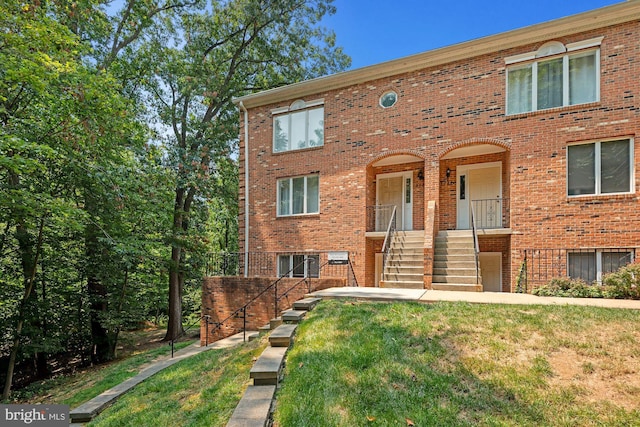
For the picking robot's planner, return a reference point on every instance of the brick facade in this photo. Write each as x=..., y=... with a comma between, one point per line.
x=222, y=296
x=442, y=115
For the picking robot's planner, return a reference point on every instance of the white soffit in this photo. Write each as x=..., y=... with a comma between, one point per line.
x=473, y=150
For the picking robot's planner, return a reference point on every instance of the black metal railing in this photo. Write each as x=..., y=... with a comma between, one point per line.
x=388, y=240
x=265, y=264
x=476, y=245
x=378, y=217
x=491, y=213
x=185, y=330
x=539, y=266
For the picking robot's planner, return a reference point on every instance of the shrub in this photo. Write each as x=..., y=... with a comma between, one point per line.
x=566, y=287
x=624, y=283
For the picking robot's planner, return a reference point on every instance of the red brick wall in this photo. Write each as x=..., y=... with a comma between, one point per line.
x=221, y=296
x=437, y=109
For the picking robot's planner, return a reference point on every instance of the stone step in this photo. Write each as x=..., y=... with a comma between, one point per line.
x=471, y=280
x=455, y=245
x=262, y=330
x=274, y=323
x=253, y=336
x=401, y=285
x=268, y=367
x=282, y=336
x=293, y=316
x=254, y=408
x=464, y=287
x=455, y=258
x=399, y=262
x=306, y=304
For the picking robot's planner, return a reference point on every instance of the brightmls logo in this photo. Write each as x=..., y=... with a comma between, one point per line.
x=34, y=415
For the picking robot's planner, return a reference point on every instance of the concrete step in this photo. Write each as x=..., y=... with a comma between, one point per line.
x=455, y=233
x=404, y=269
x=399, y=262
x=455, y=245
x=253, y=336
x=403, y=277
x=455, y=264
x=262, y=330
x=282, y=336
x=464, y=287
x=471, y=280
x=446, y=271
x=293, y=316
x=459, y=251
x=401, y=285
x=268, y=367
x=254, y=408
x=455, y=258
x=307, y=304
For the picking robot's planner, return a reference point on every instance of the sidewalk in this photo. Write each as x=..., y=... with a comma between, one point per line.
x=426, y=295
x=90, y=409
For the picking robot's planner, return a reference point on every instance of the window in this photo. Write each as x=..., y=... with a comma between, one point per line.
x=298, y=195
x=388, y=99
x=600, y=168
x=299, y=126
x=562, y=80
x=299, y=265
x=590, y=266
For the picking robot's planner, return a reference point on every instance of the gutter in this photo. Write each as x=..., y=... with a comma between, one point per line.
x=246, y=188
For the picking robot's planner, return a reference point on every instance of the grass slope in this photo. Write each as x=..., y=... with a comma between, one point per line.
x=456, y=364
x=202, y=390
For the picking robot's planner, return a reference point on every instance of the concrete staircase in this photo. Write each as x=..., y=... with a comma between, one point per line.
x=454, y=264
x=405, y=266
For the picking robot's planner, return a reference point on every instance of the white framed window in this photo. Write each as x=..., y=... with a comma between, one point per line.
x=597, y=168
x=591, y=266
x=554, y=76
x=299, y=195
x=299, y=126
x=299, y=265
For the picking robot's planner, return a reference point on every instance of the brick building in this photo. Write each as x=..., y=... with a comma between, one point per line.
x=514, y=153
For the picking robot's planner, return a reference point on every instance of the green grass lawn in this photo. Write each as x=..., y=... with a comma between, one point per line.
x=73, y=390
x=457, y=364
x=202, y=390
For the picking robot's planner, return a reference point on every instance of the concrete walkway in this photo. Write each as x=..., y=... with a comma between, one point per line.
x=426, y=295
x=90, y=409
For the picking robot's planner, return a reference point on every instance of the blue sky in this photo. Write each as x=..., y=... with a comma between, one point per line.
x=374, y=31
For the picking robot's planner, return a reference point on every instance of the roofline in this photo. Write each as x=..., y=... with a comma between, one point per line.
x=586, y=21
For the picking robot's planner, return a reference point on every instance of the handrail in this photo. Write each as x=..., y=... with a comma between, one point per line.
x=306, y=279
x=243, y=309
x=476, y=245
x=184, y=331
x=386, y=246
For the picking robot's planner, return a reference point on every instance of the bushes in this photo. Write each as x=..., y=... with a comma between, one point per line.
x=623, y=284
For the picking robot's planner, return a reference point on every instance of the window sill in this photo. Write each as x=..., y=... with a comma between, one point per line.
x=297, y=150
x=601, y=198
x=299, y=216
x=567, y=108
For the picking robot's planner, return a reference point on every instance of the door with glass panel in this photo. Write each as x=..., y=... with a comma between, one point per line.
x=395, y=190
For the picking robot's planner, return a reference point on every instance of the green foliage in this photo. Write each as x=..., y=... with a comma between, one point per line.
x=566, y=287
x=624, y=283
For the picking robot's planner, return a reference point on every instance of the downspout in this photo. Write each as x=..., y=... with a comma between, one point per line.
x=246, y=189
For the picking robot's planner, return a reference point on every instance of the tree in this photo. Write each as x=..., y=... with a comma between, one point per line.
x=201, y=62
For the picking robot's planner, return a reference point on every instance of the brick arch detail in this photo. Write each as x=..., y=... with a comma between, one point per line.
x=400, y=152
x=475, y=141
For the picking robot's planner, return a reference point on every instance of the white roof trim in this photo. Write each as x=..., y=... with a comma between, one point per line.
x=584, y=44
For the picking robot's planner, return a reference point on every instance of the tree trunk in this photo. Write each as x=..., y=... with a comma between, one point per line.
x=174, y=326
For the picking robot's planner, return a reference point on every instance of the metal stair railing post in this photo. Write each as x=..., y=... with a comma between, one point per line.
x=476, y=246
x=386, y=246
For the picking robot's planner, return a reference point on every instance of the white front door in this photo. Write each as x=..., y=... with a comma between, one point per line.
x=397, y=190
x=491, y=270
x=479, y=186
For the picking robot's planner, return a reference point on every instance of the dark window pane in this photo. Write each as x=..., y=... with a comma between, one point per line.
x=581, y=169
x=612, y=261
x=615, y=175
x=582, y=265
